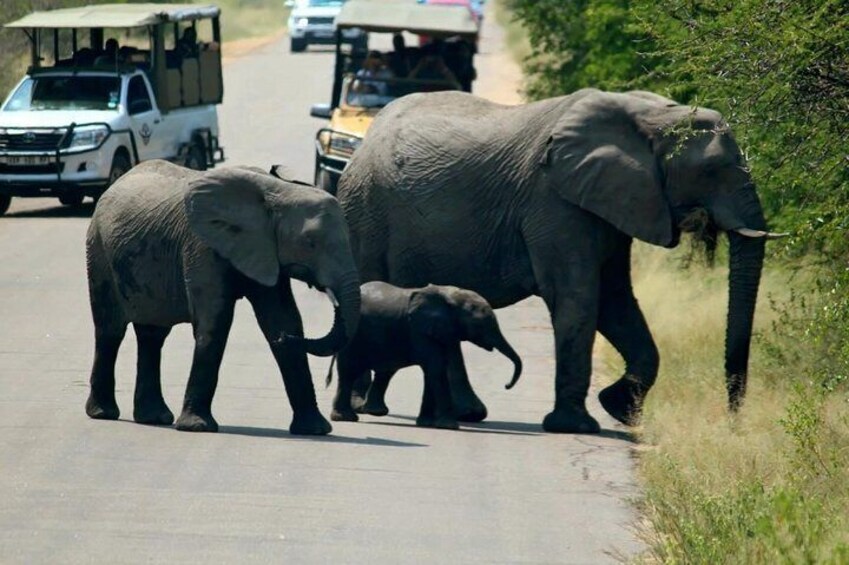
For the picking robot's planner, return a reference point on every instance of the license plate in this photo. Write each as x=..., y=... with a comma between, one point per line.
x=25, y=159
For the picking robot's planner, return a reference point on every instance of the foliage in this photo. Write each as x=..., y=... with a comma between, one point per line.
x=779, y=72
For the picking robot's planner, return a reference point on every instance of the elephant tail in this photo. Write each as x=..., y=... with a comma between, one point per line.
x=329, y=378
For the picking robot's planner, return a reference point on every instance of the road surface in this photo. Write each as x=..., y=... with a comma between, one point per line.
x=75, y=490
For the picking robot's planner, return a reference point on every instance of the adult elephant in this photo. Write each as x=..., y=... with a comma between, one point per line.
x=168, y=245
x=545, y=199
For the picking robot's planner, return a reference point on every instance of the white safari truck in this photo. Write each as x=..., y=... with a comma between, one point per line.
x=110, y=86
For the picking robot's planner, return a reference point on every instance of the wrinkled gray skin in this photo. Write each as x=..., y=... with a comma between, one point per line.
x=168, y=245
x=544, y=199
x=402, y=327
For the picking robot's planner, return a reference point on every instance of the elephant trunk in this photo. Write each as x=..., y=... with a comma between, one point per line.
x=505, y=349
x=346, y=317
x=746, y=255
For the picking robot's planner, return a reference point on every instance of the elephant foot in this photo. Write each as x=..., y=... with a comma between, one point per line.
x=623, y=400
x=441, y=422
x=358, y=403
x=153, y=414
x=310, y=424
x=100, y=410
x=471, y=411
x=375, y=408
x=192, y=422
x=344, y=415
x=570, y=421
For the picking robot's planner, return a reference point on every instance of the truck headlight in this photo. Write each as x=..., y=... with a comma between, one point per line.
x=302, y=22
x=88, y=137
x=344, y=145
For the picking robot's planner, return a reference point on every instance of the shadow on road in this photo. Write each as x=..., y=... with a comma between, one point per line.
x=82, y=211
x=504, y=428
x=510, y=428
x=283, y=434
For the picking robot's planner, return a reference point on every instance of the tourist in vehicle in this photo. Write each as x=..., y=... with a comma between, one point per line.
x=110, y=53
x=432, y=66
x=374, y=67
x=399, y=58
x=187, y=46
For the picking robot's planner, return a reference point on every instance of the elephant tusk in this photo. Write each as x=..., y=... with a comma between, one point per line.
x=758, y=233
x=332, y=298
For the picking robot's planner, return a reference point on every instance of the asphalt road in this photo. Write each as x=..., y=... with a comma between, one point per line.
x=75, y=490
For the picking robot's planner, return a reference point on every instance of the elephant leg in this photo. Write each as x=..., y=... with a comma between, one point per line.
x=101, y=403
x=569, y=284
x=437, y=407
x=622, y=323
x=148, y=405
x=277, y=313
x=467, y=406
x=211, y=329
x=376, y=397
x=349, y=371
x=109, y=330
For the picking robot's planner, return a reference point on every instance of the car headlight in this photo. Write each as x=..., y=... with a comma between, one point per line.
x=344, y=144
x=302, y=22
x=88, y=137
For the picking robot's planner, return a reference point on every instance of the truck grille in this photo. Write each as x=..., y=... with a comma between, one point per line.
x=30, y=140
x=320, y=20
x=48, y=169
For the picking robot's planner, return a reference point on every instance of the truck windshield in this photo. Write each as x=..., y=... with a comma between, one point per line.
x=325, y=3
x=66, y=93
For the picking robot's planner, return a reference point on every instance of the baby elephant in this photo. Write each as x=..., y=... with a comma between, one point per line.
x=417, y=326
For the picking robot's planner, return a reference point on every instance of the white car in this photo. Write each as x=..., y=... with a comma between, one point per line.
x=72, y=127
x=313, y=22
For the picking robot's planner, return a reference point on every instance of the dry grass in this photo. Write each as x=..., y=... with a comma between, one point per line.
x=767, y=485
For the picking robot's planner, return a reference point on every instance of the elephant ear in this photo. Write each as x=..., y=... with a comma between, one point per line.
x=227, y=209
x=431, y=315
x=599, y=158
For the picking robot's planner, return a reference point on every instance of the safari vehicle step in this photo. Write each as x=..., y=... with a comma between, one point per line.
x=89, y=108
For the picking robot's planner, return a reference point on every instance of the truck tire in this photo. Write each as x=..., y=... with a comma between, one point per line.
x=297, y=45
x=120, y=165
x=5, y=202
x=196, y=159
x=72, y=199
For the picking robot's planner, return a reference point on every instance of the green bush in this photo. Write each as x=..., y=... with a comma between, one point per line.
x=779, y=72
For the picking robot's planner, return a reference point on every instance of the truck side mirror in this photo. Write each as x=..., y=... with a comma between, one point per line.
x=289, y=3
x=320, y=111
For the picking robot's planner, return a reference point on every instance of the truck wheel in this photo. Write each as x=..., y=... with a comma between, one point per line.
x=325, y=181
x=196, y=160
x=5, y=202
x=297, y=45
x=72, y=199
x=120, y=165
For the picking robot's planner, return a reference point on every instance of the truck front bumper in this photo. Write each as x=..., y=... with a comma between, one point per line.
x=40, y=174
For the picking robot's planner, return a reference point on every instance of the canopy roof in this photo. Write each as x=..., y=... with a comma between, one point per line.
x=115, y=15
x=407, y=15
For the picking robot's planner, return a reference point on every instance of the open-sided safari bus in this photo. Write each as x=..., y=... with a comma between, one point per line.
x=110, y=86
x=365, y=82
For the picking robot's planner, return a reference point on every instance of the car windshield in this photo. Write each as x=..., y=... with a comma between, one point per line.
x=373, y=92
x=66, y=93
x=325, y=3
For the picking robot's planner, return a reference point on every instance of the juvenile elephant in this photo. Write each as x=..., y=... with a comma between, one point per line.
x=168, y=245
x=418, y=326
x=544, y=199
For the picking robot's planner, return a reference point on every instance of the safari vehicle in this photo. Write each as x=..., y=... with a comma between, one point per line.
x=88, y=109
x=312, y=22
x=363, y=83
